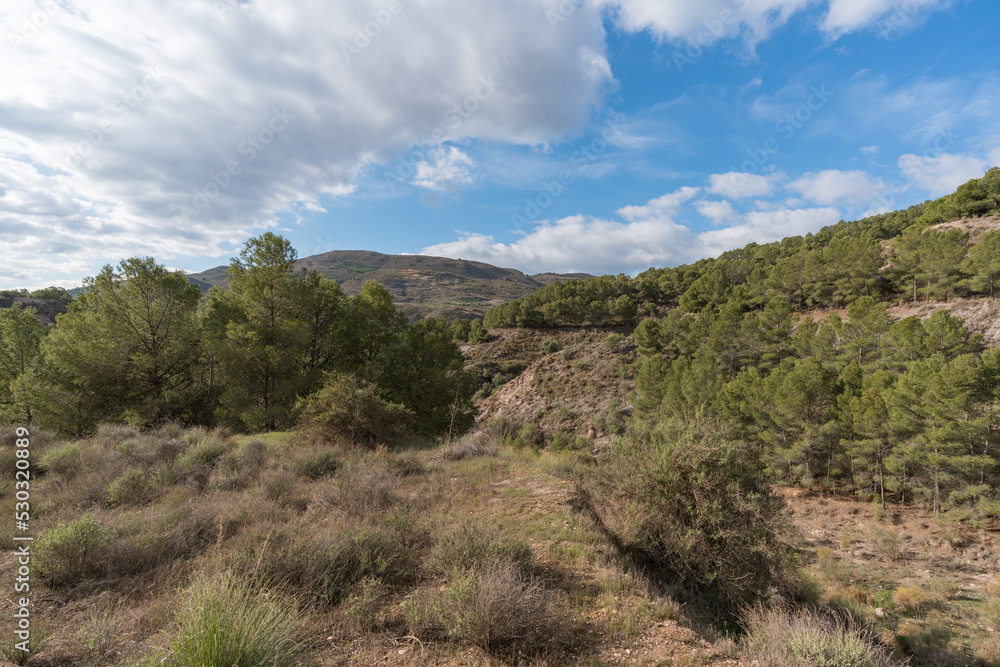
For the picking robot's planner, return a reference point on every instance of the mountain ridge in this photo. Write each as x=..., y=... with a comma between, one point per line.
x=421, y=285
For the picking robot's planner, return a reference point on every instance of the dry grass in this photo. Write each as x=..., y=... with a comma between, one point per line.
x=792, y=638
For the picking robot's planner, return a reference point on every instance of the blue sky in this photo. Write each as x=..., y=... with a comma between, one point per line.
x=547, y=135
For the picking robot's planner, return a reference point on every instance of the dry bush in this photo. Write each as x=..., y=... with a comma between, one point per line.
x=252, y=458
x=110, y=436
x=314, y=462
x=468, y=447
x=910, y=600
x=327, y=565
x=492, y=607
x=993, y=586
x=888, y=543
x=363, y=489
x=473, y=548
x=791, y=638
x=280, y=487
x=132, y=487
x=205, y=448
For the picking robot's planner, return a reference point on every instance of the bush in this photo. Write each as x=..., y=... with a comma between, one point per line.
x=226, y=622
x=72, y=552
x=473, y=548
x=64, y=460
x=349, y=413
x=129, y=488
x=549, y=346
x=692, y=506
x=889, y=543
x=329, y=565
x=315, y=463
x=361, y=490
x=613, y=342
x=782, y=638
x=490, y=607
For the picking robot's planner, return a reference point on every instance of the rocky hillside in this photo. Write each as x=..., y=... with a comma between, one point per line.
x=420, y=285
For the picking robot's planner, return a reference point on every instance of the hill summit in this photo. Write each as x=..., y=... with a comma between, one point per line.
x=420, y=285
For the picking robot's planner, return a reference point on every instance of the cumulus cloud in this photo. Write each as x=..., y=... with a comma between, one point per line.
x=717, y=211
x=940, y=175
x=651, y=237
x=736, y=185
x=178, y=128
x=707, y=20
x=449, y=169
x=660, y=207
x=834, y=186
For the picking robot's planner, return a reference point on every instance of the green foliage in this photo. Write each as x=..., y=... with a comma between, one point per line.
x=228, y=622
x=350, y=413
x=127, y=349
x=423, y=370
x=690, y=503
x=20, y=339
x=72, y=551
x=550, y=346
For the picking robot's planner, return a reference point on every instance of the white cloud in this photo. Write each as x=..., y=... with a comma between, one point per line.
x=869, y=150
x=767, y=226
x=942, y=174
x=834, y=186
x=158, y=98
x=449, y=169
x=707, y=20
x=736, y=185
x=651, y=237
x=661, y=206
x=887, y=15
x=717, y=211
x=578, y=243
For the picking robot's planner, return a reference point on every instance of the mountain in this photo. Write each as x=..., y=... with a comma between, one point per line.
x=420, y=285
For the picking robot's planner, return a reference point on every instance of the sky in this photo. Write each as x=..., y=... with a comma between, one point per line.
x=601, y=136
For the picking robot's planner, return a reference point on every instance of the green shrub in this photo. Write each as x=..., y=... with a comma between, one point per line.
x=550, y=346
x=226, y=622
x=349, y=413
x=73, y=551
x=64, y=459
x=529, y=435
x=130, y=488
x=693, y=506
x=205, y=448
x=613, y=342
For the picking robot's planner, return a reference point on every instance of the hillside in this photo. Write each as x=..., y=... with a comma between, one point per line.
x=420, y=285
